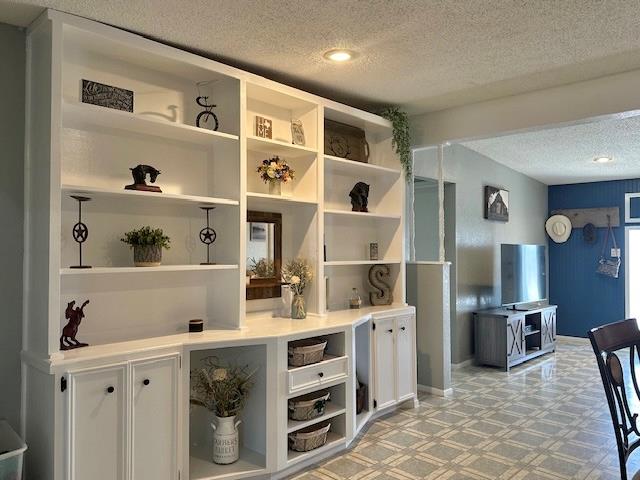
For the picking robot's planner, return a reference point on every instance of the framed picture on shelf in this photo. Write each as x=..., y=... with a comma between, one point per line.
x=264, y=127
x=297, y=133
x=107, y=96
x=373, y=251
x=496, y=204
x=257, y=232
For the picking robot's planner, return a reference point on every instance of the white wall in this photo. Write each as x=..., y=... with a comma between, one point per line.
x=12, y=77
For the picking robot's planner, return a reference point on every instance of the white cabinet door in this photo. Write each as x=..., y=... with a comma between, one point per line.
x=154, y=419
x=405, y=358
x=97, y=415
x=385, y=374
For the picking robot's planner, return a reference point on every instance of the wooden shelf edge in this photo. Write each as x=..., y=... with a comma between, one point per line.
x=332, y=211
x=99, y=191
x=331, y=411
x=347, y=164
x=161, y=268
x=346, y=263
x=117, y=119
x=280, y=198
x=268, y=142
x=334, y=440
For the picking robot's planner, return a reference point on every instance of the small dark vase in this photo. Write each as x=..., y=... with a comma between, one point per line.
x=147, y=255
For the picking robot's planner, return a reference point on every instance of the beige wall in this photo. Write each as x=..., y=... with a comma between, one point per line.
x=12, y=77
x=572, y=103
x=477, y=263
x=428, y=291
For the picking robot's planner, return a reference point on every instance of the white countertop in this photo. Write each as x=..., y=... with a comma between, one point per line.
x=257, y=327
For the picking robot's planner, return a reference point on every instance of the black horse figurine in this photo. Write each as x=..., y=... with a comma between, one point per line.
x=359, y=197
x=139, y=174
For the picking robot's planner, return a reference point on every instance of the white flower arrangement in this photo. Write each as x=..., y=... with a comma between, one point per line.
x=297, y=274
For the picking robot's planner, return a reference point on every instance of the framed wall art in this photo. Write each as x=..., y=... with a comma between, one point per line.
x=496, y=204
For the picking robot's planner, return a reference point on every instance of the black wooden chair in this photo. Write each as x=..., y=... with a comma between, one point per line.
x=607, y=341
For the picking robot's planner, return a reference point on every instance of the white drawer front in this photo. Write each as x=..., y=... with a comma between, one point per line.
x=318, y=374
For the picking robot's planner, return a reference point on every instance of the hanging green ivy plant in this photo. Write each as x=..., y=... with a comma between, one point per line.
x=401, y=137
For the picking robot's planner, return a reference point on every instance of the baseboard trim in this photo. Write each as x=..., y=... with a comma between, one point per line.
x=438, y=392
x=573, y=340
x=466, y=363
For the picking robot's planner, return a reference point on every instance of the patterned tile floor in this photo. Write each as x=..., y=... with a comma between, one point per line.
x=544, y=420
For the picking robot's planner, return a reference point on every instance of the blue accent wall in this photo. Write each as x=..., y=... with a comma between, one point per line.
x=586, y=299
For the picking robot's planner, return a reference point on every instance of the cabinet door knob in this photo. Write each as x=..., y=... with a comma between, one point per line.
x=403, y=328
x=321, y=374
x=146, y=381
x=110, y=389
x=390, y=330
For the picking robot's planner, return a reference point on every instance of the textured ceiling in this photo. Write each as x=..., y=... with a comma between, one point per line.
x=565, y=155
x=424, y=55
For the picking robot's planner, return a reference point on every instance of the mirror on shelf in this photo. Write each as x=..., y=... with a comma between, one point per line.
x=264, y=255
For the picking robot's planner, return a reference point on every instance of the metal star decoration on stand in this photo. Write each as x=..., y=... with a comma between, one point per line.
x=80, y=230
x=208, y=236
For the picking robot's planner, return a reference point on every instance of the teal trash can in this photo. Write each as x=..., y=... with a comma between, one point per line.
x=12, y=450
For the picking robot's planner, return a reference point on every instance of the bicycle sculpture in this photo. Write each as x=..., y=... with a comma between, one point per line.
x=206, y=114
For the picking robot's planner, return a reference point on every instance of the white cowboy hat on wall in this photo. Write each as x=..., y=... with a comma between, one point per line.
x=558, y=228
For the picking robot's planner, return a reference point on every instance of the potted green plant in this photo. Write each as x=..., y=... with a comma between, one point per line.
x=223, y=390
x=147, y=244
x=297, y=274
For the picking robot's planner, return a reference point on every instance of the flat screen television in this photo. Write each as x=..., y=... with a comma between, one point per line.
x=524, y=274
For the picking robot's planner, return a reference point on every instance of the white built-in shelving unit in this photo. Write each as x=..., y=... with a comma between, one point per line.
x=92, y=149
x=80, y=149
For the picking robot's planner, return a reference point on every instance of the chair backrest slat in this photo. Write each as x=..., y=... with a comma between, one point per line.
x=616, y=336
x=606, y=341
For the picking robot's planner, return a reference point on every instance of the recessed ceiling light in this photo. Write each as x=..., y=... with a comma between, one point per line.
x=603, y=159
x=339, y=55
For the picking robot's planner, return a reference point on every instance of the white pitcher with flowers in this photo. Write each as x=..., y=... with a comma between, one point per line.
x=223, y=390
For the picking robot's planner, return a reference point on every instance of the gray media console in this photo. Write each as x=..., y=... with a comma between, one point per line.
x=505, y=337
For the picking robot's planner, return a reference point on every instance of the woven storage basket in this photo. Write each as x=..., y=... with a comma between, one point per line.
x=306, y=352
x=309, y=438
x=310, y=406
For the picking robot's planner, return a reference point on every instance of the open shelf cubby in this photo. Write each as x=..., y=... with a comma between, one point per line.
x=281, y=108
x=100, y=159
x=335, y=438
x=347, y=238
x=150, y=303
x=336, y=346
x=108, y=218
x=341, y=279
x=165, y=89
x=385, y=188
x=302, y=188
x=299, y=239
x=334, y=407
x=253, y=429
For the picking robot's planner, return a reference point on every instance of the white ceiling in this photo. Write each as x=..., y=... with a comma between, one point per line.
x=565, y=154
x=424, y=55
